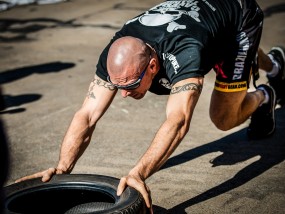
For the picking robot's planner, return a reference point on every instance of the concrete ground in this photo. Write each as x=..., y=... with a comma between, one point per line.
x=48, y=55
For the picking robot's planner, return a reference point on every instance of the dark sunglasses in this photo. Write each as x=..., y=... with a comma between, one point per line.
x=130, y=86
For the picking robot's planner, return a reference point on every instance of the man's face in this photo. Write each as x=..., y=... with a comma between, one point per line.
x=140, y=91
x=136, y=86
x=131, y=64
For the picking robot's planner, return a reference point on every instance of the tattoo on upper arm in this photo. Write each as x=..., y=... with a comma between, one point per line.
x=101, y=83
x=187, y=87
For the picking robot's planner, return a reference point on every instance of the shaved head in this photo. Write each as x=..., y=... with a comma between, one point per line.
x=126, y=59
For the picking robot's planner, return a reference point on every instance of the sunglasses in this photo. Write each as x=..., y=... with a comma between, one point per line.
x=130, y=86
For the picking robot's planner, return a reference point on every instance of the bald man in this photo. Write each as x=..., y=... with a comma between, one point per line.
x=168, y=50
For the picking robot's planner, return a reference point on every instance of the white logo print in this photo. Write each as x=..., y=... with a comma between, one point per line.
x=173, y=61
x=164, y=82
x=241, y=56
x=168, y=12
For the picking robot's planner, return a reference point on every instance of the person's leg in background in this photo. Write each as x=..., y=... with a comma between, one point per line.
x=273, y=64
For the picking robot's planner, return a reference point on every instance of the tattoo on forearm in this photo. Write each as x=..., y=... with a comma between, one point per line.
x=187, y=87
x=91, y=95
x=101, y=83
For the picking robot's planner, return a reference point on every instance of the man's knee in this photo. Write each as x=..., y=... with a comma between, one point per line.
x=225, y=109
x=221, y=121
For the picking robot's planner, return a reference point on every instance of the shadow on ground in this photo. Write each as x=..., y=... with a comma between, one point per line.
x=15, y=101
x=235, y=148
x=19, y=73
x=17, y=30
x=279, y=8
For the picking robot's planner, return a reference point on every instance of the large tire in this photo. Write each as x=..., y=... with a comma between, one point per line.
x=72, y=193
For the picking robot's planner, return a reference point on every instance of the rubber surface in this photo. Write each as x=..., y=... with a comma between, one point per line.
x=72, y=193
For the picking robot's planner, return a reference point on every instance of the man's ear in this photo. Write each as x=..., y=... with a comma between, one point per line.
x=154, y=65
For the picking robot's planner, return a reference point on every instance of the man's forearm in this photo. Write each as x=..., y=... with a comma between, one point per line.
x=75, y=142
x=173, y=129
x=78, y=136
x=165, y=142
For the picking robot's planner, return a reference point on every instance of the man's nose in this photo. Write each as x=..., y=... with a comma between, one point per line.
x=125, y=93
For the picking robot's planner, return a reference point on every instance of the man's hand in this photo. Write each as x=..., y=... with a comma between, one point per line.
x=46, y=175
x=137, y=183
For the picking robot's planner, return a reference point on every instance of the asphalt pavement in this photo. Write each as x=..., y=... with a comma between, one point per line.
x=48, y=55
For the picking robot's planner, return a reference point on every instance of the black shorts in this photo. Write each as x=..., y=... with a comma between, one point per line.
x=234, y=73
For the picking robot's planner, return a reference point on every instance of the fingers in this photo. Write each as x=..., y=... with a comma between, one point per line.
x=139, y=185
x=36, y=175
x=145, y=191
x=122, y=186
x=46, y=175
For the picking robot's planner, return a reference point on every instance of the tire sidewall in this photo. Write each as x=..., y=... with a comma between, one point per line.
x=130, y=201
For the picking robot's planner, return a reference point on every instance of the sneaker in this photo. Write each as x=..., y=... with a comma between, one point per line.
x=263, y=119
x=278, y=82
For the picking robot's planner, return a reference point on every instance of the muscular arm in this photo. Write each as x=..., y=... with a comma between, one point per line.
x=79, y=133
x=180, y=106
x=181, y=103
